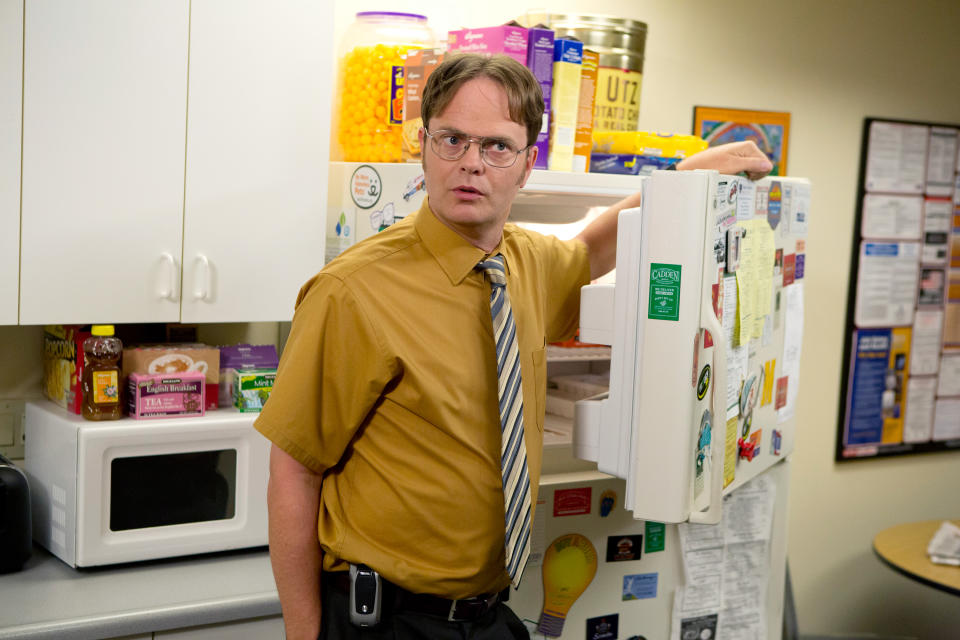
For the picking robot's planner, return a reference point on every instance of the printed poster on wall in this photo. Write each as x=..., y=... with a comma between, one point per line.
x=878, y=387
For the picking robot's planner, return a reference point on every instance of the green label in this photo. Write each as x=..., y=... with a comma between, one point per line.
x=664, y=292
x=654, y=535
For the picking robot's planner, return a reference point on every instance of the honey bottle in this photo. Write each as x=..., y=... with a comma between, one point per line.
x=101, y=374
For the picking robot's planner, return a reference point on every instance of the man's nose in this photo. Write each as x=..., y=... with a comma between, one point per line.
x=471, y=160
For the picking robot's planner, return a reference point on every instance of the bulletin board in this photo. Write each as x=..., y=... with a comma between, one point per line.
x=900, y=388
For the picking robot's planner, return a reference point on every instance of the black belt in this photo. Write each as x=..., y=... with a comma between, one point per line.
x=399, y=599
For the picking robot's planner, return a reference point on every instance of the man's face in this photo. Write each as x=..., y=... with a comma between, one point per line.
x=468, y=195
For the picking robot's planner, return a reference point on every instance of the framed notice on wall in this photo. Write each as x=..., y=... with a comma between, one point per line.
x=901, y=379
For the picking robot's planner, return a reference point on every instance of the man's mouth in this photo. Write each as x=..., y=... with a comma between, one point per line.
x=467, y=193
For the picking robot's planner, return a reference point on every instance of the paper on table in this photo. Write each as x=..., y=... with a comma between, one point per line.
x=792, y=343
x=945, y=542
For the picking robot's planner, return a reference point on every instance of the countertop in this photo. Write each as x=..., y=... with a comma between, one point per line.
x=48, y=599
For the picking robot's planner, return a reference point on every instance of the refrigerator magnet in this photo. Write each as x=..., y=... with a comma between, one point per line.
x=654, y=536
x=571, y=502
x=640, y=586
x=703, y=382
x=624, y=548
x=608, y=499
x=775, y=441
x=603, y=627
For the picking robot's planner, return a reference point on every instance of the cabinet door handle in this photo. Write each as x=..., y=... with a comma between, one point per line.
x=201, y=278
x=167, y=278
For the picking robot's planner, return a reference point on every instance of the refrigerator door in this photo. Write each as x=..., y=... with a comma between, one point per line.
x=706, y=330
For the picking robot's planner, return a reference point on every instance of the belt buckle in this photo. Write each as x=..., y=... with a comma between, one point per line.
x=453, y=610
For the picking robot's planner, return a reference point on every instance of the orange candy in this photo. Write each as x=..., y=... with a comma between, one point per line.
x=363, y=130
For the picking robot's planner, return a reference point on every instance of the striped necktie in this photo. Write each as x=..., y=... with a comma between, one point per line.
x=513, y=449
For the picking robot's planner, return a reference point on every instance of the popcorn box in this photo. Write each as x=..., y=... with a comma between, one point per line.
x=165, y=396
x=508, y=39
x=63, y=365
x=540, y=62
x=251, y=388
x=418, y=67
x=177, y=359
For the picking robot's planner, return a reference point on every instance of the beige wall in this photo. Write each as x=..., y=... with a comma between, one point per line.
x=830, y=63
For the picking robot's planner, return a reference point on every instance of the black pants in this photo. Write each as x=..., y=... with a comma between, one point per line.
x=500, y=623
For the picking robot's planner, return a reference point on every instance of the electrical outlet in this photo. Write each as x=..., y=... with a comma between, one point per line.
x=12, y=437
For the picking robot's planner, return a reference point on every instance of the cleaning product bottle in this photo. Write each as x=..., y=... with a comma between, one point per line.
x=101, y=374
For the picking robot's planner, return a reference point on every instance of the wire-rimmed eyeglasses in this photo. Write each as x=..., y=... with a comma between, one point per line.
x=450, y=144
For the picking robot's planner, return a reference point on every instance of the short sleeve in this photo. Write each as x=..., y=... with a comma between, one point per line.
x=567, y=268
x=333, y=370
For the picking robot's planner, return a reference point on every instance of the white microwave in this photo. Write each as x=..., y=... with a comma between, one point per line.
x=129, y=490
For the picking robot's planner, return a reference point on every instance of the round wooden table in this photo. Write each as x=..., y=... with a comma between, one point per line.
x=904, y=548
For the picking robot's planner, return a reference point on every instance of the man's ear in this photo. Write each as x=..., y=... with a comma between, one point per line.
x=529, y=161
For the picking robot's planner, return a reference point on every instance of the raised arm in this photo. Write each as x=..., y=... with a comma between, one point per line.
x=600, y=236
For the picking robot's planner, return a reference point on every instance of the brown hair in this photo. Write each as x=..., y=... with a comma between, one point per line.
x=524, y=97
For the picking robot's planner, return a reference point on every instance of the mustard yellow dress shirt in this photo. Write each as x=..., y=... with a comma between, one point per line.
x=388, y=387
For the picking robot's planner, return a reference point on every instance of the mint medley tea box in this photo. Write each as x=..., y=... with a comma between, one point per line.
x=251, y=388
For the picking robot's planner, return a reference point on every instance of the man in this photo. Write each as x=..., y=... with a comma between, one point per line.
x=400, y=379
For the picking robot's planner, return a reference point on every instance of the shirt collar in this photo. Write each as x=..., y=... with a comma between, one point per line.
x=453, y=253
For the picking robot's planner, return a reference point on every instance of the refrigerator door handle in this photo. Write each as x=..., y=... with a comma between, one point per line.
x=718, y=409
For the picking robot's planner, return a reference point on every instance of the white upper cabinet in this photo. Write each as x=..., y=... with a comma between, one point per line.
x=104, y=124
x=257, y=156
x=174, y=158
x=11, y=85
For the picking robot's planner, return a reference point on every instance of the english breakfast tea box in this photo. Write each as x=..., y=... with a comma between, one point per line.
x=175, y=359
x=165, y=395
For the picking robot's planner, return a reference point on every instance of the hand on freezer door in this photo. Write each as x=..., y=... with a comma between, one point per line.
x=731, y=159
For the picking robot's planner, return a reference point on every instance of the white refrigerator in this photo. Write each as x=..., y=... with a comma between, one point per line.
x=662, y=507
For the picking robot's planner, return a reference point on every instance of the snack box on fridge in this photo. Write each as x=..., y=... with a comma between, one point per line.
x=540, y=62
x=508, y=39
x=418, y=66
x=63, y=365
